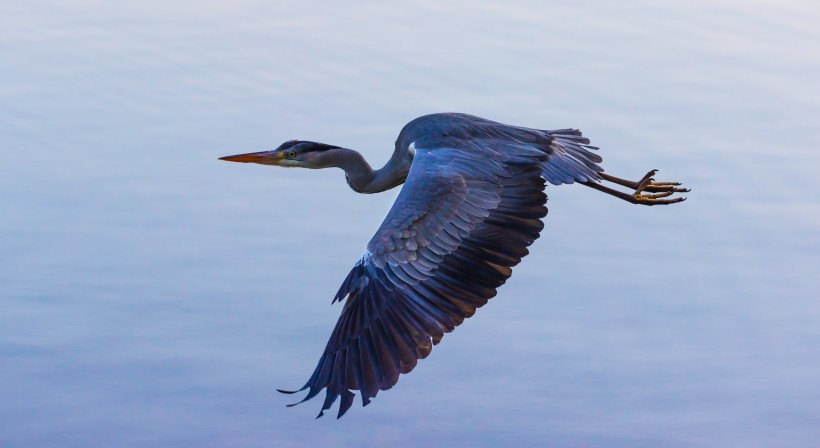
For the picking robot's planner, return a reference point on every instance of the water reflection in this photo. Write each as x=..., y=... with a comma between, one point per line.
x=153, y=296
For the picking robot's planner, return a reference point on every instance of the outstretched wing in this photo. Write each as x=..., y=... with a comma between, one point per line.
x=471, y=205
x=461, y=221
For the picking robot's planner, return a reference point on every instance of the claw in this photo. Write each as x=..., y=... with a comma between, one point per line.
x=648, y=175
x=643, y=183
x=656, y=187
x=653, y=200
x=657, y=195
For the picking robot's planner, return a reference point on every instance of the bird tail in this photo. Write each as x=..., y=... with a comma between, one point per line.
x=570, y=158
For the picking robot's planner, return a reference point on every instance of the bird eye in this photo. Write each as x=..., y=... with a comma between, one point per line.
x=292, y=154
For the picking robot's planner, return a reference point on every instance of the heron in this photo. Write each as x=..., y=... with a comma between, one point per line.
x=472, y=203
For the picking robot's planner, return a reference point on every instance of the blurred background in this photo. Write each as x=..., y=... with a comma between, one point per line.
x=151, y=295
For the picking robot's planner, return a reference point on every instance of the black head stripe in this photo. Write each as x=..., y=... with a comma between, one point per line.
x=288, y=144
x=317, y=147
x=305, y=146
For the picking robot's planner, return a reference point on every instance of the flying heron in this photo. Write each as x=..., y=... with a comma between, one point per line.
x=472, y=203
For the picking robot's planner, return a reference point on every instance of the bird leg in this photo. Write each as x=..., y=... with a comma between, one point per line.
x=647, y=191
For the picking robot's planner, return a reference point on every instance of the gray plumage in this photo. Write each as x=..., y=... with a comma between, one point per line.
x=472, y=202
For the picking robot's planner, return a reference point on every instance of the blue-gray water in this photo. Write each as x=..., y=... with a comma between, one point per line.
x=151, y=295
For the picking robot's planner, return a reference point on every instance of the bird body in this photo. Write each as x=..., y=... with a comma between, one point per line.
x=471, y=205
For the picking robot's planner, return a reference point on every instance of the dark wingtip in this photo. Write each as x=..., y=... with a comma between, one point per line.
x=289, y=392
x=346, y=403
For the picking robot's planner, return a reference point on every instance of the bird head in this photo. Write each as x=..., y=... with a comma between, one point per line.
x=291, y=154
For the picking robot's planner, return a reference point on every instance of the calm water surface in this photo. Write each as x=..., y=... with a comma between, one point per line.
x=153, y=296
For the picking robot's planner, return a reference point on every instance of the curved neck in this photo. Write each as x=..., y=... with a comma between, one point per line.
x=364, y=179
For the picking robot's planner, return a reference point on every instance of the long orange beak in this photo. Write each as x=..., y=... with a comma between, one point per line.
x=263, y=157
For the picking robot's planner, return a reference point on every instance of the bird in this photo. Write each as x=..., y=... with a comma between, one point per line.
x=472, y=202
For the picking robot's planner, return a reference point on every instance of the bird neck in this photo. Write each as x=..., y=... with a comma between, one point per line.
x=364, y=179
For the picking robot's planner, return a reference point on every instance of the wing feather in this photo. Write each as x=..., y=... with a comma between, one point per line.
x=458, y=226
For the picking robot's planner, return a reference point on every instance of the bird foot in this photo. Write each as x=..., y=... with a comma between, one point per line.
x=646, y=190
x=650, y=192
